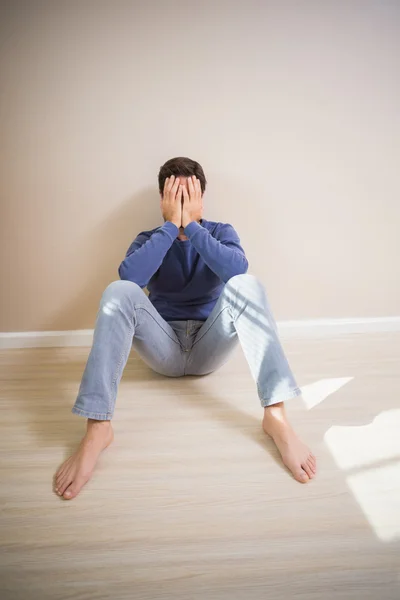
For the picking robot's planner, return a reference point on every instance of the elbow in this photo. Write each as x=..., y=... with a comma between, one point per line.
x=126, y=274
x=240, y=269
x=122, y=272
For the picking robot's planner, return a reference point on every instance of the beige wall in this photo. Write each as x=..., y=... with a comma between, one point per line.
x=291, y=107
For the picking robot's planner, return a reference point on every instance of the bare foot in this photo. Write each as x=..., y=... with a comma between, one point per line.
x=295, y=455
x=77, y=470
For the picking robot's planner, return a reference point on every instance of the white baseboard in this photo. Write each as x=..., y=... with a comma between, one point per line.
x=332, y=327
x=46, y=339
x=288, y=329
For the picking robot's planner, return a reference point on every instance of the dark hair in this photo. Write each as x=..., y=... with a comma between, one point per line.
x=181, y=166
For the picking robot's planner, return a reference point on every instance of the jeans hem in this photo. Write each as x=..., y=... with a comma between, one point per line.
x=280, y=397
x=92, y=415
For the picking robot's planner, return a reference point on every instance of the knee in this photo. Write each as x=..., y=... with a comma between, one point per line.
x=245, y=280
x=117, y=292
x=246, y=286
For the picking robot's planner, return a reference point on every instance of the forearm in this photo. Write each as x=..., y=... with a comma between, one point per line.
x=140, y=265
x=224, y=261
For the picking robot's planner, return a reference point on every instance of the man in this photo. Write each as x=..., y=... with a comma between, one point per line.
x=201, y=305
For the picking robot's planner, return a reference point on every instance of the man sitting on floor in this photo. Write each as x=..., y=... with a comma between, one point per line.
x=201, y=305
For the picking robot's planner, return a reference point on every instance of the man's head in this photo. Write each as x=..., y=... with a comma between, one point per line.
x=183, y=168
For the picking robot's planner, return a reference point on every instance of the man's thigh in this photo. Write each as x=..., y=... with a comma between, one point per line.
x=215, y=342
x=156, y=342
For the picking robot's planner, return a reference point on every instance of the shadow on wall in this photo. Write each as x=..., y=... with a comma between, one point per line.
x=51, y=377
x=100, y=256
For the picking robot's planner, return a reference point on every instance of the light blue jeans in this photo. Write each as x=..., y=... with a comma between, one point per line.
x=127, y=319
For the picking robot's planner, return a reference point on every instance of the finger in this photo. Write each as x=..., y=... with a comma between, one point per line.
x=179, y=194
x=185, y=194
x=170, y=183
x=166, y=182
x=174, y=189
x=191, y=187
x=198, y=187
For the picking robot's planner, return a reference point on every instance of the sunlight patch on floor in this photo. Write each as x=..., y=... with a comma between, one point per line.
x=353, y=447
x=377, y=491
x=317, y=392
x=373, y=450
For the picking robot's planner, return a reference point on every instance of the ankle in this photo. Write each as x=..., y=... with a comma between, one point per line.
x=100, y=426
x=275, y=422
x=275, y=413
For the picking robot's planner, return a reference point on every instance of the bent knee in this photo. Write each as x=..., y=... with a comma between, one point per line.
x=120, y=289
x=245, y=279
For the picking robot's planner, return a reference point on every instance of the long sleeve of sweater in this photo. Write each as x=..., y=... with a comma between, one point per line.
x=223, y=255
x=145, y=254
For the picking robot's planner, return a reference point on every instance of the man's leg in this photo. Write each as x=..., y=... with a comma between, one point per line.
x=243, y=314
x=126, y=317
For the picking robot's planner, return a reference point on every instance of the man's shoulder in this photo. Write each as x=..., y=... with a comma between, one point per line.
x=148, y=232
x=219, y=228
x=215, y=226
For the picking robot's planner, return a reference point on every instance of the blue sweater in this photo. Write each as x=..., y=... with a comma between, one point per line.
x=184, y=277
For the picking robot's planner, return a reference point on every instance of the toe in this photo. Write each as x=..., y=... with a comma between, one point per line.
x=60, y=480
x=311, y=465
x=62, y=469
x=301, y=475
x=63, y=485
x=305, y=466
x=73, y=490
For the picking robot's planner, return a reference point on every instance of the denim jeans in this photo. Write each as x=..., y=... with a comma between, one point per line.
x=127, y=319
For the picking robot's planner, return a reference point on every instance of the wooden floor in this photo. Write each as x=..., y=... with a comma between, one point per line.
x=191, y=502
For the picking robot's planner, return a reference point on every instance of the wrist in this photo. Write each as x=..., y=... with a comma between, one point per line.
x=186, y=222
x=191, y=228
x=174, y=223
